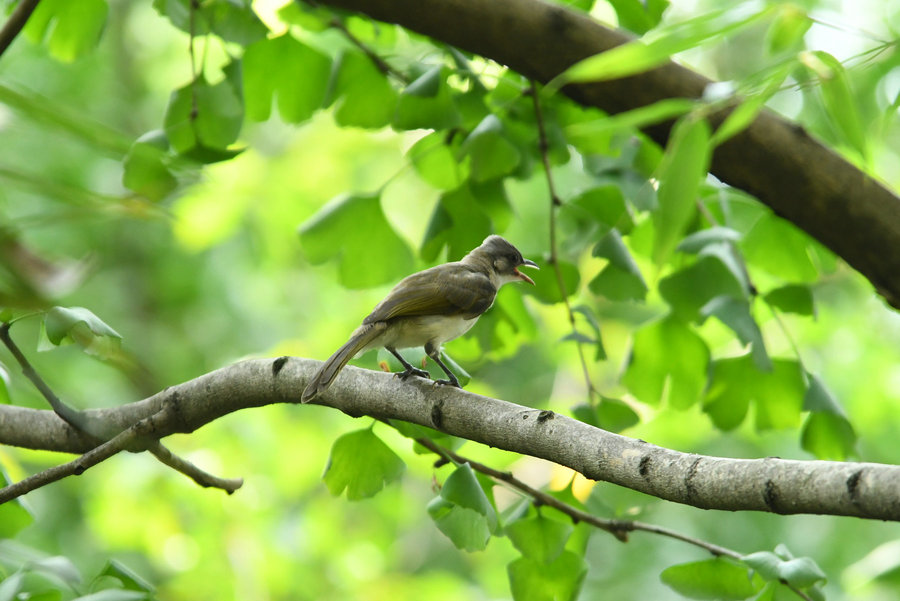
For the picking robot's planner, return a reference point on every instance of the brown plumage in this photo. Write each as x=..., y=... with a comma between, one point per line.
x=429, y=308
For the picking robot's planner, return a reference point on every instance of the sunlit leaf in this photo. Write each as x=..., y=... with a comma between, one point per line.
x=828, y=436
x=780, y=248
x=539, y=538
x=621, y=279
x=680, y=174
x=287, y=71
x=128, y=577
x=67, y=325
x=362, y=464
x=379, y=257
x=695, y=242
x=710, y=579
x=641, y=55
x=667, y=351
x=788, y=28
x=546, y=288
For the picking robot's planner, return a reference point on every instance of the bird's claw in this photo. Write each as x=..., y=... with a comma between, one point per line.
x=453, y=383
x=404, y=375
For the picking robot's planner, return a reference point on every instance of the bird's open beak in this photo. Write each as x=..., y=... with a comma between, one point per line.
x=527, y=263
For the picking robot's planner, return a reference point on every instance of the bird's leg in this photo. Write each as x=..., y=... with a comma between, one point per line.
x=435, y=353
x=410, y=370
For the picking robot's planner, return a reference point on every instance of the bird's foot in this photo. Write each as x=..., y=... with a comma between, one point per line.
x=412, y=371
x=453, y=382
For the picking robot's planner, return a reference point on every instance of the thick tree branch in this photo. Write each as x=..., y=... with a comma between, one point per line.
x=16, y=22
x=776, y=485
x=773, y=159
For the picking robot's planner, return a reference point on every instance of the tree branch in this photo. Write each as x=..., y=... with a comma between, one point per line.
x=775, y=485
x=773, y=159
x=16, y=22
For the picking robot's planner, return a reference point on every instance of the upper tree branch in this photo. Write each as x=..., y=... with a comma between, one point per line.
x=16, y=22
x=776, y=485
x=773, y=159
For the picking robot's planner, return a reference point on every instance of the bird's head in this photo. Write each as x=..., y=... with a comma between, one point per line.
x=505, y=259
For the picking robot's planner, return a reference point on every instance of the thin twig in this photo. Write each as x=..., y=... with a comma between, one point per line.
x=16, y=22
x=618, y=528
x=193, y=472
x=102, y=432
x=555, y=203
x=120, y=442
x=379, y=62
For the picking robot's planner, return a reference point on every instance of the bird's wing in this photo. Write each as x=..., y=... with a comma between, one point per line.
x=450, y=289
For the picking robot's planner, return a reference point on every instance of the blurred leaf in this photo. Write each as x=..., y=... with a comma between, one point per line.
x=546, y=288
x=560, y=580
x=695, y=242
x=838, y=99
x=778, y=247
x=232, y=20
x=710, y=579
x=539, y=538
x=788, y=28
x=667, y=351
x=427, y=103
x=71, y=29
x=690, y=288
x=59, y=567
x=146, y=167
x=203, y=120
x=612, y=415
x=662, y=110
x=307, y=16
x=800, y=572
x=602, y=206
x=362, y=95
x=680, y=174
x=734, y=382
x=463, y=512
x=744, y=114
x=287, y=71
x=735, y=313
x=435, y=162
x=362, y=464
x=129, y=579
x=458, y=222
x=828, y=436
x=13, y=515
x=10, y=586
x=112, y=594
x=491, y=154
x=792, y=298
x=379, y=257
x=4, y=388
x=653, y=50
x=818, y=398
x=639, y=16
x=621, y=279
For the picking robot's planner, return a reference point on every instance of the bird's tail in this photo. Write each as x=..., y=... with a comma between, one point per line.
x=330, y=369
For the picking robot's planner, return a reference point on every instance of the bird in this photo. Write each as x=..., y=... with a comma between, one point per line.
x=429, y=308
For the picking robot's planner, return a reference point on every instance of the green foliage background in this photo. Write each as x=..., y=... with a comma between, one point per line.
x=309, y=182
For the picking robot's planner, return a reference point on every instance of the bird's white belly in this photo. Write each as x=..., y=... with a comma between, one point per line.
x=419, y=331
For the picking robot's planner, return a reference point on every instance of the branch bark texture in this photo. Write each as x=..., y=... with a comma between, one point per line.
x=775, y=485
x=773, y=159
